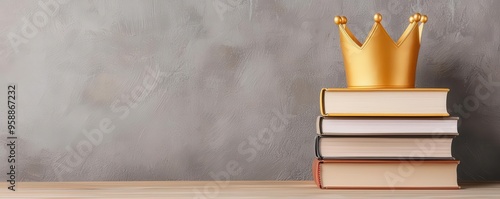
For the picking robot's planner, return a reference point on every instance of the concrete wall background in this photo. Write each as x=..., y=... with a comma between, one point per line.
x=185, y=88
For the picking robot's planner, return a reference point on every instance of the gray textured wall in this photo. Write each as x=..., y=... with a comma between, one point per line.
x=180, y=90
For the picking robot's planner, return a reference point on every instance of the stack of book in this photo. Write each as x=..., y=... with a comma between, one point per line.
x=385, y=139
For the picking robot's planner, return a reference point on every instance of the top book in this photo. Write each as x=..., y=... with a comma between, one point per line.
x=383, y=102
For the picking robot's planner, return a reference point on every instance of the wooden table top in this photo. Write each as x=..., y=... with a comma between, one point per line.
x=231, y=189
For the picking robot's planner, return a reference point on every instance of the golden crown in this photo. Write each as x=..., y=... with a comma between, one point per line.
x=380, y=62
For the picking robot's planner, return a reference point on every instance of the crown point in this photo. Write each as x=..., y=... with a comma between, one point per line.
x=411, y=20
x=343, y=19
x=377, y=17
x=417, y=17
x=424, y=19
x=337, y=20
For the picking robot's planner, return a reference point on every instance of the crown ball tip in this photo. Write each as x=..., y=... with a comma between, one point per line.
x=343, y=20
x=337, y=20
x=424, y=18
x=411, y=20
x=417, y=16
x=377, y=17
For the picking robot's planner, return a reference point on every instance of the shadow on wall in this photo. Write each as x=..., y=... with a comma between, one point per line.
x=474, y=99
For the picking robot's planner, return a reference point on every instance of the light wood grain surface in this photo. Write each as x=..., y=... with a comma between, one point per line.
x=232, y=189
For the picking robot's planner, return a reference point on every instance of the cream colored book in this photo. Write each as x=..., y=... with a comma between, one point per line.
x=384, y=147
x=383, y=102
x=385, y=174
x=387, y=126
